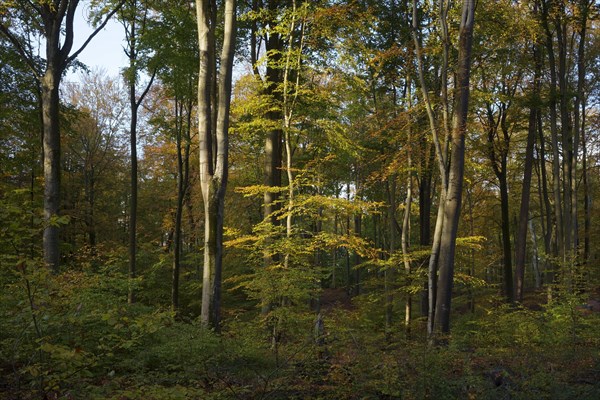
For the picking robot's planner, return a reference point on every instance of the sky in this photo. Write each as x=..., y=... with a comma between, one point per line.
x=104, y=51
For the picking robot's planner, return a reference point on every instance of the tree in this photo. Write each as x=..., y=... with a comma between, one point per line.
x=134, y=21
x=213, y=105
x=52, y=22
x=95, y=145
x=521, y=237
x=451, y=165
x=176, y=51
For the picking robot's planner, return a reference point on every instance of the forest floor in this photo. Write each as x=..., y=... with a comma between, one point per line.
x=91, y=346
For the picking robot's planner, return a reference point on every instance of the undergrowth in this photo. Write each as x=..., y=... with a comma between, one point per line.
x=71, y=336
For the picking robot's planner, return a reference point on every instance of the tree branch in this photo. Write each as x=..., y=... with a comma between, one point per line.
x=145, y=92
x=98, y=29
x=21, y=50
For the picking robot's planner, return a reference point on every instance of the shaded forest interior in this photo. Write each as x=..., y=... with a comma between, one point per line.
x=286, y=199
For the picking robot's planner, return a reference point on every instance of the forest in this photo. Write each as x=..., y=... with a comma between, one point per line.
x=290, y=199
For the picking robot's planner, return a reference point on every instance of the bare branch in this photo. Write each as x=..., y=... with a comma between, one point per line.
x=98, y=29
x=145, y=92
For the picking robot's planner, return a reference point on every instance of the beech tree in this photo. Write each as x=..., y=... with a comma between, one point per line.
x=134, y=17
x=214, y=95
x=22, y=22
x=451, y=162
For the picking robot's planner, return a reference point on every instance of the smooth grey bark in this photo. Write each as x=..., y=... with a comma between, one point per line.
x=452, y=205
x=441, y=263
x=214, y=146
x=440, y=152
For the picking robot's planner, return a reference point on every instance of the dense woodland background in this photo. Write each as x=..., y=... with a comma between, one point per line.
x=331, y=173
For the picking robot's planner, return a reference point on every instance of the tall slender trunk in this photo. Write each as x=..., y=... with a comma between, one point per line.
x=580, y=103
x=274, y=46
x=133, y=200
x=348, y=267
x=179, y=209
x=425, y=212
x=357, y=259
x=586, y=192
x=558, y=248
x=566, y=131
x=441, y=156
x=506, y=247
x=213, y=126
x=545, y=202
x=133, y=32
x=135, y=101
x=534, y=256
x=405, y=238
x=334, y=253
x=405, y=242
x=452, y=204
x=470, y=293
x=389, y=275
x=521, y=242
x=51, y=145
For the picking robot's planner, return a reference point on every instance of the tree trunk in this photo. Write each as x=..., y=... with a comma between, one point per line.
x=521, y=242
x=452, y=204
x=357, y=259
x=51, y=143
x=213, y=155
x=389, y=271
x=133, y=200
x=179, y=211
x=505, y=222
x=544, y=200
x=274, y=46
x=534, y=256
x=132, y=32
x=441, y=156
x=566, y=130
x=425, y=212
x=56, y=20
x=274, y=142
x=558, y=215
x=405, y=245
x=580, y=102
